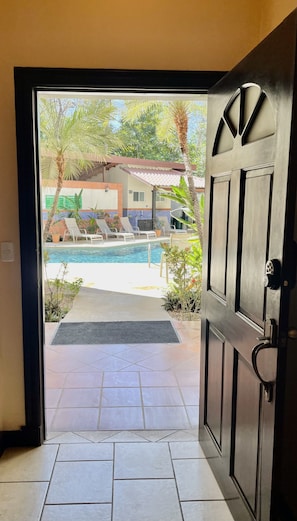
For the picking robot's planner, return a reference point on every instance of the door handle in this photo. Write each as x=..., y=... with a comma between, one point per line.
x=268, y=385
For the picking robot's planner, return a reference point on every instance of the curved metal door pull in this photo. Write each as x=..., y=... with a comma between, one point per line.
x=268, y=386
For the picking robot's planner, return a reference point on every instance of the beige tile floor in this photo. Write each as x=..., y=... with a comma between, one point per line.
x=128, y=476
x=119, y=387
x=122, y=439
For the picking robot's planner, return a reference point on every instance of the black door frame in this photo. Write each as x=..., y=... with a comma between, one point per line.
x=28, y=82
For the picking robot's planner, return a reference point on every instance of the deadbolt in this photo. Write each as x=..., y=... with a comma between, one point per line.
x=273, y=274
x=292, y=333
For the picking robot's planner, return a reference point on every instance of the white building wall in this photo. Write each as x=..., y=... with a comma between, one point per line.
x=101, y=199
x=117, y=175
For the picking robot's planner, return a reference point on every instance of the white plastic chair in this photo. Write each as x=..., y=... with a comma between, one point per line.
x=110, y=232
x=74, y=231
x=127, y=226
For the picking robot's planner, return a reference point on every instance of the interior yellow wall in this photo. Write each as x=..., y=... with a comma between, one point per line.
x=160, y=34
x=273, y=12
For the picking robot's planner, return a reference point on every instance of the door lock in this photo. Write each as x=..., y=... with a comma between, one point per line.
x=273, y=274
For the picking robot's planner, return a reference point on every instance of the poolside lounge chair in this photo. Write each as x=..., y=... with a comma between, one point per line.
x=111, y=232
x=127, y=226
x=168, y=228
x=74, y=231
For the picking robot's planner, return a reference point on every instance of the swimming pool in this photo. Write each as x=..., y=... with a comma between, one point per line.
x=114, y=254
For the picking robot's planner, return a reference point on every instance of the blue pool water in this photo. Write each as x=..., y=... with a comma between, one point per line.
x=120, y=254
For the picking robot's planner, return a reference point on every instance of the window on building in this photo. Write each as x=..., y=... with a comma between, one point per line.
x=159, y=197
x=138, y=196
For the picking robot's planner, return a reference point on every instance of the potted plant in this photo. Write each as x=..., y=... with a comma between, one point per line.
x=158, y=227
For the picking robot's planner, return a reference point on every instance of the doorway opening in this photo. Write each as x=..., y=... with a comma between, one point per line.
x=86, y=182
x=30, y=198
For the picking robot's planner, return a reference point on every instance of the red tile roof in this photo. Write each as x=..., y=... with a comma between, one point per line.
x=160, y=176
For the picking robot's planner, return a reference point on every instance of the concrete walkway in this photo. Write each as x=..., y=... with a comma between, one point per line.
x=96, y=305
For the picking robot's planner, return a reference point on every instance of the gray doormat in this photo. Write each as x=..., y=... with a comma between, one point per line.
x=132, y=332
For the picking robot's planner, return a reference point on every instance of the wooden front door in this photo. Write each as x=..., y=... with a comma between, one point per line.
x=249, y=274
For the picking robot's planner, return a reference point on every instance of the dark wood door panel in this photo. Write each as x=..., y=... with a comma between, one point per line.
x=214, y=371
x=252, y=142
x=220, y=195
x=245, y=453
x=235, y=327
x=254, y=231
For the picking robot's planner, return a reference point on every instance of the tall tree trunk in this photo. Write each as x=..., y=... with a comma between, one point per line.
x=181, y=122
x=196, y=205
x=60, y=162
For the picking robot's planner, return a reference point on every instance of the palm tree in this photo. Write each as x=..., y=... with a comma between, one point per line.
x=175, y=118
x=69, y=130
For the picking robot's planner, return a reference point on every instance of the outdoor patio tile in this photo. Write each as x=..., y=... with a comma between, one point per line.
x=129, y=396
x=158, y=379
x=134, y=367
x=206, y=511
x=193, y=415
x=83, y=380
x=86, y=368
x=142, y=460
x=165, y=418
x=121, y=418
x=113, y=349
x=27, y=464
x=195, y=480
x=54, y=380
x=111, y=363
x=153, y=348
x=96, y=436
x=126, y=437
x=80, y=398
x=60, y=363
x=49, y=416
x=161, y=396
x=155, y=435
x=64, y=437
x=120, y=379
x=86, y=353
x=52, y=397
x=190, y=395
x=29, y=503
x=134, y=354
x=75, y=419
x=81, y=482
x=182, y=435
x=164, y=360
x=85, y=452
x=77, y=512
x=187, y=378
x=190, y=364
x=148, y=500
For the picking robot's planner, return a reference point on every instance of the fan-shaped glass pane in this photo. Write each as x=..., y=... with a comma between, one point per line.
x=263, y=124
x=249, y=113
x=224, y=139
x=232, y=115
x=250, y=99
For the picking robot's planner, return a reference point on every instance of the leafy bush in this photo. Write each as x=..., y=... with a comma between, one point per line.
x=184, y=292
x=59, y=294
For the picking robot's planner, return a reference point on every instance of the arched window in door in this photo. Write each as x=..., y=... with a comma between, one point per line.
x=248, y=117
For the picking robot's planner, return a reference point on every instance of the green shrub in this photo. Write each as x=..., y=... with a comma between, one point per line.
x=59, y=294
x=184, y=291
